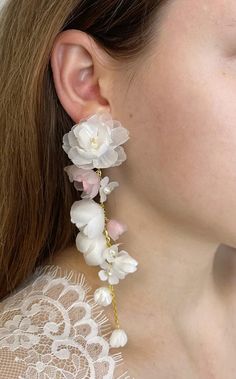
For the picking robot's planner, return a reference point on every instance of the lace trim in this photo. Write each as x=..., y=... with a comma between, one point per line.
x=101, y=319
x=49, y=285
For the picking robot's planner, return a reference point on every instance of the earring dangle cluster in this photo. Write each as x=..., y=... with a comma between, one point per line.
x=94, y=143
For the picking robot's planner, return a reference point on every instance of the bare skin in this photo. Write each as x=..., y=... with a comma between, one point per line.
x=177, y=188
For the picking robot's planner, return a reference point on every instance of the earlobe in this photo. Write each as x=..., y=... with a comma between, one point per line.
x=76, y=84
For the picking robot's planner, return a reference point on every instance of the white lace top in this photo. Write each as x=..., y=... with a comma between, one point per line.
x=51, y=328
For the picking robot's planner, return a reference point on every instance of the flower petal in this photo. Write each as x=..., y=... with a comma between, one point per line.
x=102, y=275
x=121, y=155
x=106, y=160
x=91, y=248
x=94, y=227
x=76, y=157
x=87, y=212
x=119, y=136
x=71, y=139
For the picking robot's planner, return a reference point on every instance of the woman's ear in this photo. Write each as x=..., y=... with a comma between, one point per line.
x=78, y=74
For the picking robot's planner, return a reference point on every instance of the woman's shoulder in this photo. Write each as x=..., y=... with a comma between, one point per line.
x=51, y=327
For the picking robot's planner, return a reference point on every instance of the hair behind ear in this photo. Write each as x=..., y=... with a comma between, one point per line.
x=35, y=193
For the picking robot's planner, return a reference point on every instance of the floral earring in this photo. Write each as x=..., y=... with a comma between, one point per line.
x=94, y=143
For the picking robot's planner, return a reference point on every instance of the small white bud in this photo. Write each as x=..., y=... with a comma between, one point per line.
x=118, y=338
x=103, y=296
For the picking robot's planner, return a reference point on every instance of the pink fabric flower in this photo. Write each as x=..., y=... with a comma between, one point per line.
x=115, y=229
x=84, y=180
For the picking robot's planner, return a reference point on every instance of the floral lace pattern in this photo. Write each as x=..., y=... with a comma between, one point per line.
x=51, y=328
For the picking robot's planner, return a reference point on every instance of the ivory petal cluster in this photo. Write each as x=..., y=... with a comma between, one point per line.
x=117, y=265
x=89, y=217
x=95, y=142
x=89, y=182
x=91, y=248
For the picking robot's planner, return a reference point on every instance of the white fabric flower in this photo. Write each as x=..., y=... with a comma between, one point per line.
x=111, y=252
x=117, y=265
x=106, y=188
x=88, y=216
x=118, y=338
x=103, y=296
x=91, y=248
x=95, y=142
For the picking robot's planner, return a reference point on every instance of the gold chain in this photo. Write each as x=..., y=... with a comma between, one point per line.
x=109, y=244
x=114, y=306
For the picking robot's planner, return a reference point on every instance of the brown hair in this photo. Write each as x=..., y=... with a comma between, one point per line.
x=35, y=193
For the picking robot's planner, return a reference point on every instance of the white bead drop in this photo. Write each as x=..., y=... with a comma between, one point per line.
x=118, y=338
x=103, y=296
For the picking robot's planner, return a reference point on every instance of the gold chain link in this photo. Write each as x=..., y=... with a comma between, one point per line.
x=114, y=306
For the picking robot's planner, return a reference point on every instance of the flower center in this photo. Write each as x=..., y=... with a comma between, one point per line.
x=94, y=143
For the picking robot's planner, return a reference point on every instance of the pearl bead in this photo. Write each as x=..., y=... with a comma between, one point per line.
x=107, y=190
x=118, y=338
x=102, y=296
x=113, y=253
